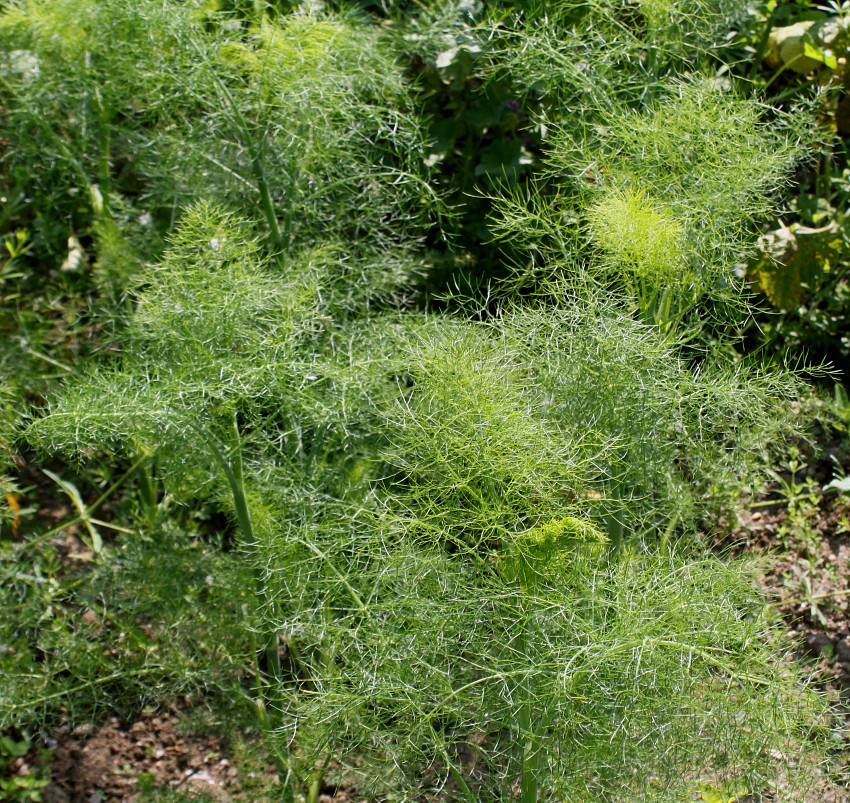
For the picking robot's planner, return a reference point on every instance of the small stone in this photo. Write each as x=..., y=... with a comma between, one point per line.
x=209, y=786
x=84, y=729
x=202, y=777
x=95, y=798
x=843, y=649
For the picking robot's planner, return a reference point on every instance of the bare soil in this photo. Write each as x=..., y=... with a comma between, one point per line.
x=116, y=762
x=110, y=763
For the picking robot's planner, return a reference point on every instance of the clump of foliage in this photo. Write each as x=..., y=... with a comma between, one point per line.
x=17, y=786
x=643, y=241
x=427, y=511
x=300, y=119
x=465, y=545
x=81, y=642
x=666, y=194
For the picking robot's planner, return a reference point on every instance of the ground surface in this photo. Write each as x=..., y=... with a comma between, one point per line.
x=127, y=762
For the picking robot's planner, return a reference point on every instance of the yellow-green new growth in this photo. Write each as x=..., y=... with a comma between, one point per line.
x=541, y=554
x=642, y=237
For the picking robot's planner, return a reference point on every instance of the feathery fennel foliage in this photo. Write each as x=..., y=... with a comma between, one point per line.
x=84, y=85
x=427, y=506
x=640, y=237
x=470, y=538
x=656, y=171
x=584, y=55
x=660, y=202
x=703, y=152
x=132, y=110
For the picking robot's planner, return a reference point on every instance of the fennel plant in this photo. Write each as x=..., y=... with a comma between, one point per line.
x=472, y=534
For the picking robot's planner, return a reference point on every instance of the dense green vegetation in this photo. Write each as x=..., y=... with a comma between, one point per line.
x=391, y=357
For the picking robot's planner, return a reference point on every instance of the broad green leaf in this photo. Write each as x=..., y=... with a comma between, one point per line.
x=10, y=747
x=825, y=57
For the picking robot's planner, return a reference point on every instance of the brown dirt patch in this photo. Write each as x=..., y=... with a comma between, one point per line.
x=115, y=762
x=107, y=763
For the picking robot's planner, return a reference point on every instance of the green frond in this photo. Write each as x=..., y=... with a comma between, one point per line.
x=642, y=238
x=479, y=457
x=60, y=27
x=545, y=552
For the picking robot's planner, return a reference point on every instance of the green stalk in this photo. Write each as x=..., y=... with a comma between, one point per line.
x=256, y=156
x=147, y=487
x=328, y=647
x=528, y=742
x=761, y=47
x=462, y=785
x=104, y=149
x=314, y=787
x=235, y=478
x=232, y=467
x=314, y=783
x=148, y=492
x=664, y=540
x=270, y=702
x=529, y=753
x=614, y=522
x=266, y=201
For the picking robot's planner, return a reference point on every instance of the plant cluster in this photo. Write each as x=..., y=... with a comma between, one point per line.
x=799, y=50
x=450, y=524
x=465, y=557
